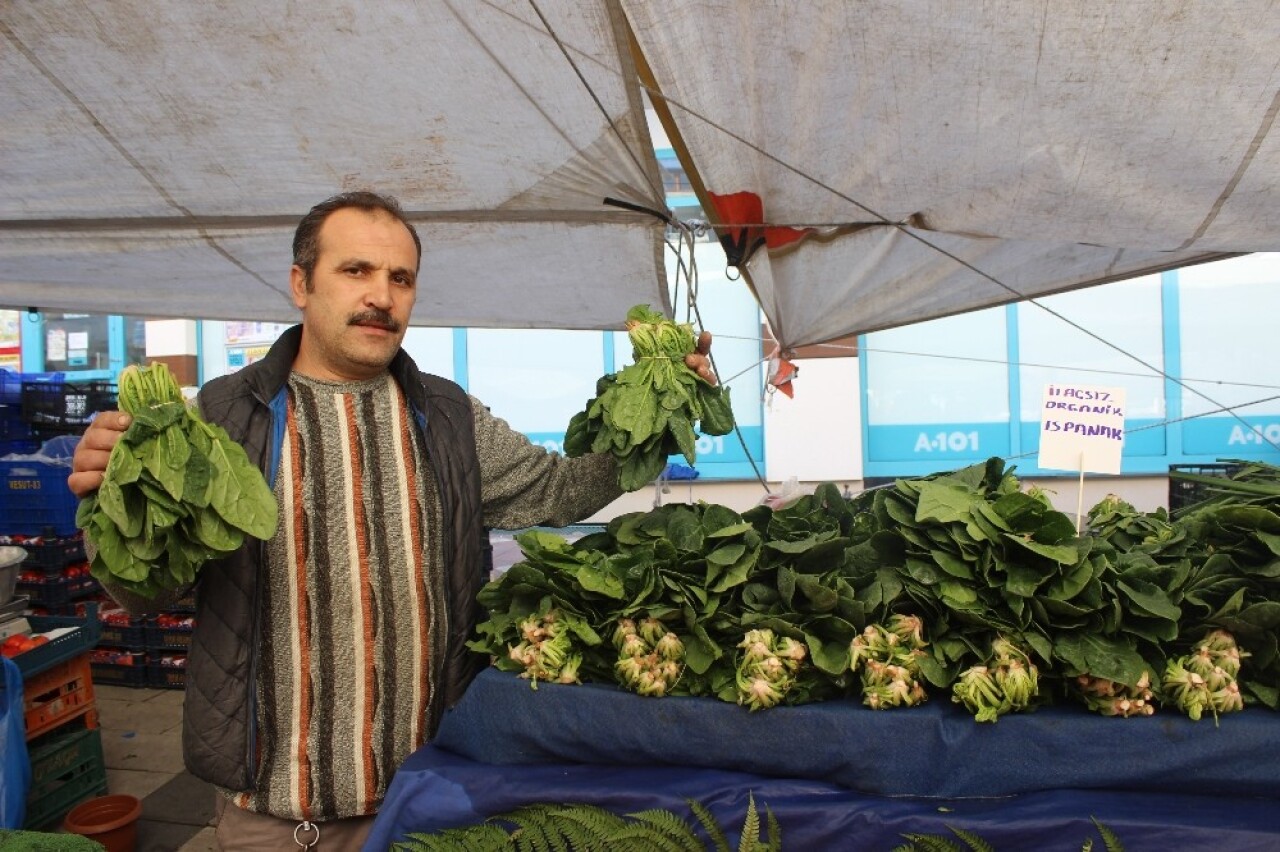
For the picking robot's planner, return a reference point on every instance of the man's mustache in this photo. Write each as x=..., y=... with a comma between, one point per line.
x=381, y=319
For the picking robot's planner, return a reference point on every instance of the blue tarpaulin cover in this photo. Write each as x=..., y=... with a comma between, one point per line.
x=435, y=790
x=836, y=771
x=934, y=750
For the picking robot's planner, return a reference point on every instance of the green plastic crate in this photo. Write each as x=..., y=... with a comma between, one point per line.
x=66, y=769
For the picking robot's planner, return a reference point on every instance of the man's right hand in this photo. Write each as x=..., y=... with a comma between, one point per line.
x=89, y=463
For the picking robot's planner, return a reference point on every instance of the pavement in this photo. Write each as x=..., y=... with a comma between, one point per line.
x=142, y=748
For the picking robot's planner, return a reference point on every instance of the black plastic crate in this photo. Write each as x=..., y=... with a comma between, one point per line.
x=57, y=591
x=170, y=632
x=117, y=667
x=167, y=672
x=1183, y=493
x=65, y=405
x=122, y=634
x=48, y=553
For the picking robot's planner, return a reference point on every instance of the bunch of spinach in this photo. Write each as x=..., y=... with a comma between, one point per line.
x=176, y=493
x=648, y=411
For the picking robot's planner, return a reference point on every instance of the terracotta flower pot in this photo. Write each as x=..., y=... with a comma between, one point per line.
x=109, y=820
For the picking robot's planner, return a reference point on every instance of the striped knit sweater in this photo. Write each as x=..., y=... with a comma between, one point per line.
x=350, y=612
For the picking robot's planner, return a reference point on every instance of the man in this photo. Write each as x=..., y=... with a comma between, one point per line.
x=324, y=657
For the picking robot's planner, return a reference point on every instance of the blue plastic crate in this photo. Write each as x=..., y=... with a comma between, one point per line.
x=11, y=383
x=19, y=447
x=35, y=499
x=12, y=425
x=84, y=636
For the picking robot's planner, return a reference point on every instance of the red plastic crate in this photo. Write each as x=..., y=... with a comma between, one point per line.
x=58, y=695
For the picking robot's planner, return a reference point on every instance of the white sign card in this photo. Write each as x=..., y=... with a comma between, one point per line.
x=1082, y=428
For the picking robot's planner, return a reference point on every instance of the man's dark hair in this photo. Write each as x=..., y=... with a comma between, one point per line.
x=306, y=239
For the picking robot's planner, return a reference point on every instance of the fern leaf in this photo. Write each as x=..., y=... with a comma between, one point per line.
x=645, y=838
x=775, y=831
x=593, y=825
x=531, y=833
x=933, y=843
x=671, y=826
x=975, y=843
x=471, y=838
x=715, y=833
x=905, y=847
x=750, y=838
x=482, y=838
x=1088, y=845
x=1109, y=838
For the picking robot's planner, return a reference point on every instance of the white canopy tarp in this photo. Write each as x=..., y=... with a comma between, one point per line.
x=154, y=158
x=1047, y=144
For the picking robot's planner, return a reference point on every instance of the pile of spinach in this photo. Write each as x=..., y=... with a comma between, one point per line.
x=177, y=492
x=969, y=551
x=650, y=409
x=1233, y=578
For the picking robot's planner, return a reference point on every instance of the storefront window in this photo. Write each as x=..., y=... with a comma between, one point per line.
x=76, y=342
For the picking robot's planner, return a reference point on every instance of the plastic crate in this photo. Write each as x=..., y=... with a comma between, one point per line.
x=12, y=426
x=35, y=499
x=11, y=383
x=118, y=667
x=18, y=446
x=169, y=637
x=66, y=768
x=1183, y=493
x=168, y=672
x=65, y=405
x=57, y=591
x=51, y=553
x=130, y=633
x=83, y=634
x=58, y=695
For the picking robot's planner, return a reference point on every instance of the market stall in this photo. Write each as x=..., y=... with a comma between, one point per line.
x=944, y=655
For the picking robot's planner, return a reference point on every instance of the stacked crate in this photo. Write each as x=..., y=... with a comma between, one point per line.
x=38, y=513
x=144, y=652
x=55, y=575
x=168, y=639
x=120, y=658
x=63, y=741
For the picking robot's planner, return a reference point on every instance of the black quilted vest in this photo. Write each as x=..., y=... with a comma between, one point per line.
x=219, y=718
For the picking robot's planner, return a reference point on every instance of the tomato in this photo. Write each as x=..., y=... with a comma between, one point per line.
x=38, y=640
x=15, y=645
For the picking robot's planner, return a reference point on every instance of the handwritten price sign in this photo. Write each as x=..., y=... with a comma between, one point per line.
x=1082, y=428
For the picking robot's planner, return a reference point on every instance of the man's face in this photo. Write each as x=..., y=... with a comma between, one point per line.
x=355, y=309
